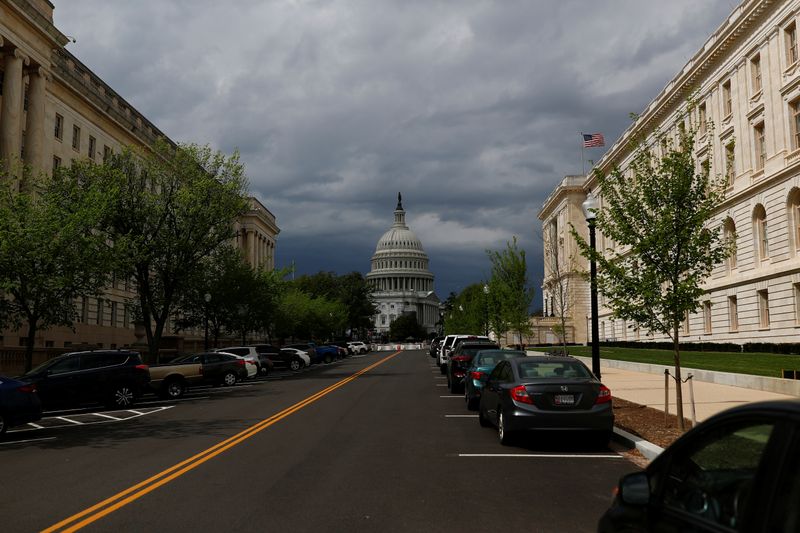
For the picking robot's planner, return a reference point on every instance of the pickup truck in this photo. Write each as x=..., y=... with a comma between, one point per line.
x=172, y=379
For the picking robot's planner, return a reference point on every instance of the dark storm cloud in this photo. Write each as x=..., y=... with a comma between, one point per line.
x=471, y=108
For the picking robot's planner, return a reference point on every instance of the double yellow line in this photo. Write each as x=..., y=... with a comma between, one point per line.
x=121, y=499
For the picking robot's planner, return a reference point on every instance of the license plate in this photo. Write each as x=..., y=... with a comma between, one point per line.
x=564, y=399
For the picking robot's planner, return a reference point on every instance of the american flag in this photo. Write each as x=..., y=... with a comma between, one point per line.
x=592, y=140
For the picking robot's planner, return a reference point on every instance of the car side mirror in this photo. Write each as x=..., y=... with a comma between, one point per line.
x=634, y=489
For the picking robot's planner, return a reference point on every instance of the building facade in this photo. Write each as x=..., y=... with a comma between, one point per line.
x=54, y=110
x=745, y=81
x=400, y=278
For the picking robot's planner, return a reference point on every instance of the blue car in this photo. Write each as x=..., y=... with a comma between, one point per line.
x=19, y=403
x=482, y=365
x=326, y=353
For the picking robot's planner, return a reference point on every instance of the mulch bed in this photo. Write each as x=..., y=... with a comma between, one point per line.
x=647, y=423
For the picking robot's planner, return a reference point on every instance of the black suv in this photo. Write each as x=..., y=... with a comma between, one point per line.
x=113, y=377
x=280, y=358
x=460, y=360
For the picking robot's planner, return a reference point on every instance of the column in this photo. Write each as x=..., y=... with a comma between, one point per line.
x=251, y=236
x=11, y=117
x=34, y=128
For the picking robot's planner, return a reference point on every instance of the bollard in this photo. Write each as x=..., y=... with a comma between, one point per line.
x=691, y=399
x=666, y=397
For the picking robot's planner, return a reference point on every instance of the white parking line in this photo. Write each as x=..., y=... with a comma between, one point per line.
x=65, y=419
x=452, y=396
x=461, y=416
x=441, y=384
x=37, y=426
x=136, y=412
x=107, y=416
x=544, y=455
x=26, y=440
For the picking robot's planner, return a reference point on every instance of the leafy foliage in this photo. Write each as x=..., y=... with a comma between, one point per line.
x=405, y=327
x=510, y=290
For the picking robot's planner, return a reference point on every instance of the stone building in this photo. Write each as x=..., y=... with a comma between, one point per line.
x=53, y=110
x=746, y=82
x=400, y=278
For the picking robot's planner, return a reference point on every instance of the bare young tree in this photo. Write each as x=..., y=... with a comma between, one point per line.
x=560, y=268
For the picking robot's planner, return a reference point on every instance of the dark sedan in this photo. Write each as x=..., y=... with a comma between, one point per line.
x=545, y=393
x=219, y=368
x=281, y=358
x=19, y=403
x=482, y=365
x=737, y=471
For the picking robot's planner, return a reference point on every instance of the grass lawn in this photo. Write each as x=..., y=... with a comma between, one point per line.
x=759, y=364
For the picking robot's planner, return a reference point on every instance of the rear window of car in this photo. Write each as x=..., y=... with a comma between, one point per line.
x=238, y=351
x=91, y=361
x=494, y=357
x=266, y=349
x=552, y=370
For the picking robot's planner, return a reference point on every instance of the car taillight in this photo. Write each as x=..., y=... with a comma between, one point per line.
x=519, y=394
x=31, y=388
x=241, y=362
x=477, y=375
x=604, y=396
x=142, y=367
x=460, y=358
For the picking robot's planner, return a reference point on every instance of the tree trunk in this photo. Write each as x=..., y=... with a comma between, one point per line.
x=30, y=339
x=678, y=380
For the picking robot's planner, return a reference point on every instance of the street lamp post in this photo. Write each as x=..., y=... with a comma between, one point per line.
x=207, y=298
x=486, y=308
x=590, y=206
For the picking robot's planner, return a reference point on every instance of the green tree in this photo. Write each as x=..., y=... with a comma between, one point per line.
x=50, y=251
x=170, y=208
x=406, y=326
x=658, y=213
x=351, y=290
x=469, y=311
x=509, y=282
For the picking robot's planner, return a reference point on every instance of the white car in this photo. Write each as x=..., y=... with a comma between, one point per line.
x=249, y=354
x=299, y=353
x=447, y=346
x=358, y=347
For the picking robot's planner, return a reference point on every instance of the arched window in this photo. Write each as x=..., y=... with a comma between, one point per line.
x=729, y=234
x=793, y=216
x=760, y=233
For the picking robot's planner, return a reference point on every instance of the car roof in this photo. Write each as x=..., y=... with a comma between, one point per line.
x=547, y=359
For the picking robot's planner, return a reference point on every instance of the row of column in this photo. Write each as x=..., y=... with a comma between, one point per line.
x=261, y=250
x=11, y=113
x=403, y=284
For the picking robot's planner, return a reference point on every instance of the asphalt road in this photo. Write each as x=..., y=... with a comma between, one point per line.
x=332, y=449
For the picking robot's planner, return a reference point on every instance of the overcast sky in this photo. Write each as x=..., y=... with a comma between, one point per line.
x=471, y=108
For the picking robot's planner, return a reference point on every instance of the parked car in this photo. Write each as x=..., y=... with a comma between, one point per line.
x=307, y=347
x=344, y=348
x=283, y=357
x=113, y=377
x=478, y=372
x=19, y=403
x=435, y=344
x=449, y=344
x=220, y=368
x=737, y=471
x=460, y=359
x=172, y=380
x=358, y=347
x=545, y=393
x=327, y=353
x=261, y=362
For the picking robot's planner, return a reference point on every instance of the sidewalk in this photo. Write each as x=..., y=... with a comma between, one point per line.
x=710, y=398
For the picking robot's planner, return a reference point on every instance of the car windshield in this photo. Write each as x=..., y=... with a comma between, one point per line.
x=552, y=370
x=490, y=358
x=472, y=350
x=39, y=368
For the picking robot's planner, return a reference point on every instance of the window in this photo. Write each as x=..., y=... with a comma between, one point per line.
x=727, y=105
x=760, y=232
x=92, y=147
x=755, y=73
x=729, y=234
x=114, y=314
x=56, y=163
x=107, y=152
x=793, y=217
x=707, y=317
x=99, y=312
x=791, y=43
x=763, y=309
x=730, y=163
x=70, y=364
x=59, y=128
x=761, y=146
x=686, y=329
x=702, y=119
x=794, y=109
x=720, y=468
x=76, y=138
x=733, y=313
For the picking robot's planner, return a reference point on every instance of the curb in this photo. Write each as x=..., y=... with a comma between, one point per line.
x=646, y=448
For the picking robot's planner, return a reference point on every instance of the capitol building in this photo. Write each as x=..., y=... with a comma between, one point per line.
x=400, y=279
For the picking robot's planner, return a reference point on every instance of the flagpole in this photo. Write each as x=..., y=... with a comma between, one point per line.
x=583, y=161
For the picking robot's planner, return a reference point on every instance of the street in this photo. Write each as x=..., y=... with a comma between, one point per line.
x=330, y=449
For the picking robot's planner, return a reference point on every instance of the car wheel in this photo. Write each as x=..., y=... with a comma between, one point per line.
x=328, y=359
x=443, y=369
x=229, y=379
x=363, y=351
x=482, y=420
x=472, y=403
x=3, y=425
x=502, y=432
x=453, y=386
x=295, y=365
x=121, y=396
x=174, y=388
